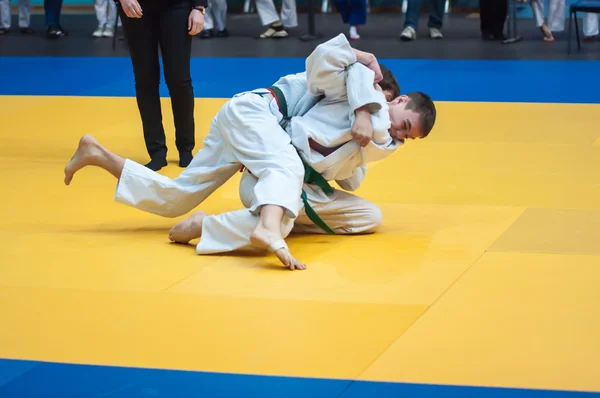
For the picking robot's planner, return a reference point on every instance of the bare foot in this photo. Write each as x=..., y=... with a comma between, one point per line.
x=262, y=238
x=547, y=33
x=188, y=229
x=87, y=153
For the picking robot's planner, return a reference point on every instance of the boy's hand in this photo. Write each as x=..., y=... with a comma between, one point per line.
x=362, y=128
x=370, y=61
x=374, y=66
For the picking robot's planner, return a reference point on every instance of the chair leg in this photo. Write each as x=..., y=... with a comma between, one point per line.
x=577, y=32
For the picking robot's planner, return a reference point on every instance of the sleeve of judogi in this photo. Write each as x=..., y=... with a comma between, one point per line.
x=361, y=89
x=381, y=123
x=326, y=67
x=352, y=183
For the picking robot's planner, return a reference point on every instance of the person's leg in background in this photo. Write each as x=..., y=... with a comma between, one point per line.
x=289, y=13
x=5, y=17
x=101, y=16
x=269, y=17
x=52, y=9
x=109, y=28
x=436, y=19
x=106, y=14
x=25, y=17
x=411, y=20
x=590, y=26
x=537, y=7
x=142, y=36
x=500, y=15
x=353, y=13
x=357, y=17
x=215, y=20
x=493, y=15
x=556, y=15
x=176, y=48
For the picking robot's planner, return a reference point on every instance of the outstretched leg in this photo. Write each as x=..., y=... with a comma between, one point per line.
x=149, y=191
x=267, y=234
x=91, y=153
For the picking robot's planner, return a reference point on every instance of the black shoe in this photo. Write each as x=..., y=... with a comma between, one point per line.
x=54, y=32
x=26, y=31
x=487, y=36
x=185, y=158
x=206, y=34
x=223, y=33
x=157, y=164
x=4, y=31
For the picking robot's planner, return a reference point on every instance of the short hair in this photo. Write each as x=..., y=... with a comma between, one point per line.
x=422, y=104
x=389, y=82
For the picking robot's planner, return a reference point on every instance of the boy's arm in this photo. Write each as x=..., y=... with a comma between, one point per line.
x=326, y=67
x=364, y=101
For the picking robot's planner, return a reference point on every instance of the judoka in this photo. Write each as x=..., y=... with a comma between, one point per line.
x=409, y=116
x=246, y=131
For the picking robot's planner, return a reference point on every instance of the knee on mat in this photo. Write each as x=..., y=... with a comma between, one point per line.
x=373, y=218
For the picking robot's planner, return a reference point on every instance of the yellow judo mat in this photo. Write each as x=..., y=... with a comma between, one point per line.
x=486, y=271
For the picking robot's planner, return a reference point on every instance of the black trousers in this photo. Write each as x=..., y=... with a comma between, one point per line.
x=164, y=24
x=493, y=15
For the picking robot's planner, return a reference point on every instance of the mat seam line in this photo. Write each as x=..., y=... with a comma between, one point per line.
x=417, y=319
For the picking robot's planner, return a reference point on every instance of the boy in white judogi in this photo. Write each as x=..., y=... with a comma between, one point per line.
x=246, y=131
x=410, y=116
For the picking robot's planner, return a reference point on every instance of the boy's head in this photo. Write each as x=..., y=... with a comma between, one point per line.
x=389, y=85
x=412, y=116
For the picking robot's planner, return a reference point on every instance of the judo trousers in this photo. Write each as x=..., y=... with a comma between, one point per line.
x=244, y=132
x=343, y=212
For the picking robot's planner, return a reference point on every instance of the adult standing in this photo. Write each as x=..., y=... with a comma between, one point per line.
x=170, y=25
x=493, y=15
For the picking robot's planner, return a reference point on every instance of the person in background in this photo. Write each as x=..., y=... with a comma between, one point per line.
x=106, y=13
x=276, y=25
x=411, y=21
x=168, y=25
x=215, y=20
x=556, y=17
x=52, y=9
x=590, y=26
x=354, y=13
x=24, y=17
x=493, y=15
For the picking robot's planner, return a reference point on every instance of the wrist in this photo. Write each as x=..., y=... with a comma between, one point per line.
x=363, y=111
x=363, y=57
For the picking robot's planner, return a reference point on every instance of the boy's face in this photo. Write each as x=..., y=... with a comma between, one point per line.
x=406, y=123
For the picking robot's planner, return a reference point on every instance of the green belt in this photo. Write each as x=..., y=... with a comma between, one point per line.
x=310, y=175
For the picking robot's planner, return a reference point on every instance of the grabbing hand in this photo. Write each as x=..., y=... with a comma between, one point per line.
x=132, y=8
x=195, y=22
x=362, y=129
x=370, y=61
x=374, y=66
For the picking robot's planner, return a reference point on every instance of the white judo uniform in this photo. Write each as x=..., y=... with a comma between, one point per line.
x=246, y=131
x=329, y=124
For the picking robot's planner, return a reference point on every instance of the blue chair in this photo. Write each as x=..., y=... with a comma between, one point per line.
x=591, y=6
